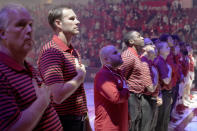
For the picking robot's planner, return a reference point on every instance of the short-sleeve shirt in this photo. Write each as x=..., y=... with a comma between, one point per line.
x=163, y=70
x=135, y=71
x=17, y=93
x=56, y=64
x=172, y=62
x=150, y=63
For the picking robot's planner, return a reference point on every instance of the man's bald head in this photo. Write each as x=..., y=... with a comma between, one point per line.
x=109, y=55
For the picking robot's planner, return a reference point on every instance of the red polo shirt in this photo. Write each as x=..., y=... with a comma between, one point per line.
x=111, y=101
x=57, y=65
x=171, y=61
x=135, y=71
x=17, y=93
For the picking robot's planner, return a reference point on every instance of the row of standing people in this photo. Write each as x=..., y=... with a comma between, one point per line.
x=138, y=90
x=53, y=98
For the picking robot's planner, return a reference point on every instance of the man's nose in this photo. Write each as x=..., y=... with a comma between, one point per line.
x=29, y=29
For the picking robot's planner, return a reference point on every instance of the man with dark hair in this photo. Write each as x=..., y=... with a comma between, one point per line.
x=24, y=104
x=61, y=69
x=138, y=77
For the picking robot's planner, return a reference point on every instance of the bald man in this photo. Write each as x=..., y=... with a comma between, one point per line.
x=110, y=93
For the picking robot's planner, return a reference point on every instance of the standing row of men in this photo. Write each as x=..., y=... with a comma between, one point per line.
x=127, y=89
x=54, y=98
x=153, y=72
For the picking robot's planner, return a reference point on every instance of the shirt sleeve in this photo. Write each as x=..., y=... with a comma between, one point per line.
x=106, y=85
x=9, y=111
x=127, y=66
x=50, y=66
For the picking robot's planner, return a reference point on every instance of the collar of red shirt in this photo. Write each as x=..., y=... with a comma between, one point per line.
x=12, y=63
x=118, y=71
x=133, y=51
x=61, y=44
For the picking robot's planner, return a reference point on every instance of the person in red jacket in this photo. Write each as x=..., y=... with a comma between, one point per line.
x=110, y=93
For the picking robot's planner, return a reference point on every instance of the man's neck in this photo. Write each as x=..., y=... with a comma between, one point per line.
x=138, y=49
x=111, y=67
x=64, y=38
x=163, y=56
x=18, y=57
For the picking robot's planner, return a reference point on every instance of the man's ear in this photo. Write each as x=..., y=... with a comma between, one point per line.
x=58, y=23
x=106, y=60
x=2, y=34
x=131, y=42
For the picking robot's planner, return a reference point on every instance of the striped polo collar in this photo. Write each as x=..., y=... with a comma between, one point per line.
x=133, y=51
x=7, y=60
x=61, y=44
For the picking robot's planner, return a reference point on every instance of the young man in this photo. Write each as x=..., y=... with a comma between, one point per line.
x=24, y=105
x=138, y=77
x=153, y=97
x=110, y=93
x=60, y=67
x=165, y=74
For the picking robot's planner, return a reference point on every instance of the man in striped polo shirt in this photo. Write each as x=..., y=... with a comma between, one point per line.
x=24, y=105
x=60, y=67
x=138, y=77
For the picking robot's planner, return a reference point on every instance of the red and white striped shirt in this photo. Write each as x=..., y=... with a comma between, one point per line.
x=136, y=72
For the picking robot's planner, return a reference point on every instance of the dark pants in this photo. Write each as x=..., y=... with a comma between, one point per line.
x=140, y=113
x=175, y=94
x=72, y=123
x=164, y=112
x=155, y=110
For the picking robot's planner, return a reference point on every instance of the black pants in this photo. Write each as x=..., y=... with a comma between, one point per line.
x=175, y=94
x=164, y=112
x=72, y=123
x=140, y=112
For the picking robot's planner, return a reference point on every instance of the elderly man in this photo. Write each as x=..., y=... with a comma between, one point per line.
x=24, y=105
x=110, y=93
x=60, y=67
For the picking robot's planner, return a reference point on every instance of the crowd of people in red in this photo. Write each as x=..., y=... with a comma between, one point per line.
x=103, y=23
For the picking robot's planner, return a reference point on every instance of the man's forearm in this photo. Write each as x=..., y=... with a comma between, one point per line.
x=30, y=117
x=61, y=91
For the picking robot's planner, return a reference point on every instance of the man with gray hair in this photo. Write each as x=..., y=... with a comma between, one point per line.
x=110, y=93
x=24, y=102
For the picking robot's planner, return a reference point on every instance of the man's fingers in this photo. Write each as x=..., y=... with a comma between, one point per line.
x=34, y=82
x=77, y=62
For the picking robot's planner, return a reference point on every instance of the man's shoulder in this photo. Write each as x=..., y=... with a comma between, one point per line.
x=50, y=47
x=103, y=72
x=127, y=53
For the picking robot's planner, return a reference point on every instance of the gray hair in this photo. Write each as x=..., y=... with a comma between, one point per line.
x=56, y=13
x=4, y=13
